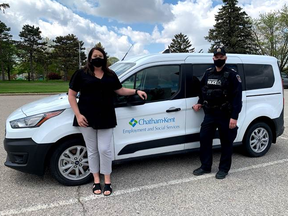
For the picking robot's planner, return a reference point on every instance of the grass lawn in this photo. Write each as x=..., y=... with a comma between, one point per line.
x=33, y=86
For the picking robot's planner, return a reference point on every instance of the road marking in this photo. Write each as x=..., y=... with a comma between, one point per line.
x=132, y=190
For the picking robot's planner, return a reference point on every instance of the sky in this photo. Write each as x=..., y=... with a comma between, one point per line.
x=145, y=26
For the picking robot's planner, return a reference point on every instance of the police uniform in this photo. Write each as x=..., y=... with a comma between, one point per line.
x=221, y=100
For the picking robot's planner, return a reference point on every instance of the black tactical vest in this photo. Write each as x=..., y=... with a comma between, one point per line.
x=215, y=91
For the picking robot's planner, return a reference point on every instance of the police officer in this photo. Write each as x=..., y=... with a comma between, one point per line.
x=221, y=99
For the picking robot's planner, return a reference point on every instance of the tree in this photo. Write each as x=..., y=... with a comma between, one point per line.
x=233, y=29
x=4, y=6
x=10, y=59
x=31, y=43
x=102, y=47
x=271, y=35
x=45, y=58
x=66, y=50
x=181, y=44
x=5, y=42
x=112, y=60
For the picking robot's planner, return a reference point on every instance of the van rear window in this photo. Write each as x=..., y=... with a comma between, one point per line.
x=258, y=76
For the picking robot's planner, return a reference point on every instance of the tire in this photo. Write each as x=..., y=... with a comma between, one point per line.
x=257, y=140
x=69, y=163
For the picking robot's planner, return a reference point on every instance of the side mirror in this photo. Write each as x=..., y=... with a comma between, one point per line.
x=134, y=100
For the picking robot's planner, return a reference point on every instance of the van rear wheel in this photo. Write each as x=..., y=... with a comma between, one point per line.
x=69, y=163
x=258, y=139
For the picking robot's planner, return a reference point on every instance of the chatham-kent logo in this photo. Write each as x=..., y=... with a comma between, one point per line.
x=133, y=122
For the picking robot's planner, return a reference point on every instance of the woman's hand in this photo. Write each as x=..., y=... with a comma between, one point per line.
x=82, y=121
x=142, y=94
x=126, y=92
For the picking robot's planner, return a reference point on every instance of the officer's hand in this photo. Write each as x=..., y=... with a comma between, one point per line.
x=197, y=107
x=233, y=123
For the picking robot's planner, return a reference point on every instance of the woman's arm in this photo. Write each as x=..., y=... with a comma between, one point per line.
x=126, y=91
x=82, y=121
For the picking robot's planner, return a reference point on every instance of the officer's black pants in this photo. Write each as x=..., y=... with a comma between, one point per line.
x=227, y=136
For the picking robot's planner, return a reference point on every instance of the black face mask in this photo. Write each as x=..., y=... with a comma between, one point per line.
x=219, y=63
x=97, y=62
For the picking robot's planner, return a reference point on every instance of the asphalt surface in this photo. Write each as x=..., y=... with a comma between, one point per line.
x=158, y=186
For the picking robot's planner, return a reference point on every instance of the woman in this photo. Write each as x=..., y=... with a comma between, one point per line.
x=95, y=113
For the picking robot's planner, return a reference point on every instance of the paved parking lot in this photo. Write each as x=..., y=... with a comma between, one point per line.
x=158, y=186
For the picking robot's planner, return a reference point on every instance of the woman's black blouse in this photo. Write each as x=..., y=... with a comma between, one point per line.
x=96, y=98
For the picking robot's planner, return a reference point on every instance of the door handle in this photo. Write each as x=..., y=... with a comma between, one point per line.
x=173, y=109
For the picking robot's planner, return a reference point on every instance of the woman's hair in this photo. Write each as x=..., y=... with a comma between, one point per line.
x=89, y=68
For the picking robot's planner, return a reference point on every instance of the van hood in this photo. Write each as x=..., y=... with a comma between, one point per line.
x=47, y=104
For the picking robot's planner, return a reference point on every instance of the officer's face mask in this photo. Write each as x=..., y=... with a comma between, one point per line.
x=219, y=62
x=97, y=62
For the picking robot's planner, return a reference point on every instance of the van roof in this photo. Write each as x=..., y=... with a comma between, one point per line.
x=247, y=58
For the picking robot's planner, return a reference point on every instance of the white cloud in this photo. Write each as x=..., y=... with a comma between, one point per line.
x=125, y=11
x=191, y=17
x=256, y=7
x=55, y=20
x=136, y=36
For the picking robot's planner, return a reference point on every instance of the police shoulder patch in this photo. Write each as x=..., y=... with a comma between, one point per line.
x=238, y=78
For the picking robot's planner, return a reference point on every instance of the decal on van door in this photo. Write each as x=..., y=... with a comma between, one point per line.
x=159, y=124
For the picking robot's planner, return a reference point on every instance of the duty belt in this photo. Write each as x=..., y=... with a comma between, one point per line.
x=225, y=106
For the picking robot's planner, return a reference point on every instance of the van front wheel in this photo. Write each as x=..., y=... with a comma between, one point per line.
x=69, y=163
x=258, y=139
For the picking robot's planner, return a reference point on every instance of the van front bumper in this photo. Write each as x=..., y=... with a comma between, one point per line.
x=25, y=155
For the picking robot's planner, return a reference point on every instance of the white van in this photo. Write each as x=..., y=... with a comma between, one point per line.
x=41, y=134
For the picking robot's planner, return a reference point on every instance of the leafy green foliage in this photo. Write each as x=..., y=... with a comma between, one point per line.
x=7, y=51
x=271, y=34
x=180, y=44
x=112, y=60
x=66, y=51
x=233, y=29
x=30, y=44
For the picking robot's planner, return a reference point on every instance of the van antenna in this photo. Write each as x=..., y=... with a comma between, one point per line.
x=127, y=52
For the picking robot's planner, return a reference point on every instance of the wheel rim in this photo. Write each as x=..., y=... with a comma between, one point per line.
x=73, y=163
x=259, y=140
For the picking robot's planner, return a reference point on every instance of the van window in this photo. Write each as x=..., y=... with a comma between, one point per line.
x=160, y=82
x=199, y=69
x=258, y=76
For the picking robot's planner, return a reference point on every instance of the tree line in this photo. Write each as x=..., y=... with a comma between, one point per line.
x=267, y=35
x=42, y=57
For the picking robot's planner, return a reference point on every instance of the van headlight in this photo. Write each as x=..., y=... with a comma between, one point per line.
x=34, y=120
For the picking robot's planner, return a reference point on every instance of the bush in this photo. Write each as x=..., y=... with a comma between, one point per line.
x=53, y=76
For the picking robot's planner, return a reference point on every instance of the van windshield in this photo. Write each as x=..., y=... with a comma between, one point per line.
x=120, y=67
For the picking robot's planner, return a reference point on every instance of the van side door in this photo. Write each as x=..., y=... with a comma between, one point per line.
x=195, y=71
x=158, y=126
